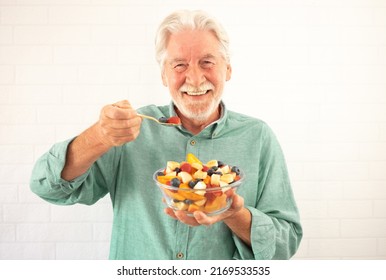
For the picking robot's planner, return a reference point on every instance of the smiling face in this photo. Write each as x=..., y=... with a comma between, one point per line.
x=195, y=72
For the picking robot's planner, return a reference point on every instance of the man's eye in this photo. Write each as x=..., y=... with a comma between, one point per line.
x=180, y=67
x=207, y=64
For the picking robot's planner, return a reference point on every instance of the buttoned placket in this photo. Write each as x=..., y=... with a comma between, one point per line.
x=182, y=230
x=182, y=239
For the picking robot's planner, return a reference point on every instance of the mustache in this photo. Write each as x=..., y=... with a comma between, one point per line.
x=203, y=87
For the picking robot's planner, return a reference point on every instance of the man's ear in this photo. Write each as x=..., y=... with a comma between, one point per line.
x=164, y=79
x=228, y=73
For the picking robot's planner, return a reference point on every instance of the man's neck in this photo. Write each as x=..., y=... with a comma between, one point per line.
x=196, y=126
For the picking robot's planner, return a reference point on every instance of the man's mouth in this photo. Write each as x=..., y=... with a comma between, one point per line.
x=200, y=90
x=195, y=93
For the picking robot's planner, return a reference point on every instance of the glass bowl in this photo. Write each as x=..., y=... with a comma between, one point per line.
x=210, y=200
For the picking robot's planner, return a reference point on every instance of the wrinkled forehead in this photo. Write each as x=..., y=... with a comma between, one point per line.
x=192, y=43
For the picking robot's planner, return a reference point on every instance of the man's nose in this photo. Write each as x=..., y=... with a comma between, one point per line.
x=195, y=76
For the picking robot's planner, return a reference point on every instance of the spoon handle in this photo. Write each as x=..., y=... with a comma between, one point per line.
x=157, y=121
x=148, y=117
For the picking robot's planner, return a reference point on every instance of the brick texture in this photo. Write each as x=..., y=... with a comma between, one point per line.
x=315, y=70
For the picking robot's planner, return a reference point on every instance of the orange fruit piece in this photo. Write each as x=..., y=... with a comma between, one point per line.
x=189, y=194
x=174, y=195
x=216, y=204
x=192, y=159
x=194, y=207
x=165, y=179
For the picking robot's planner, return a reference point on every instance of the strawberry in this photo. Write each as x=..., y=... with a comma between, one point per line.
x=210, y=196
x=186, y=167
x=213, y=193
x=174, y=119
x=205, y=168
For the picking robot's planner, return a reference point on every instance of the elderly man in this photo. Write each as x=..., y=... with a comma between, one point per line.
x=120, y=152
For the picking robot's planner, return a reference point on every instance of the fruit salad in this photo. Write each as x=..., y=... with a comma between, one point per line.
x=192, y=185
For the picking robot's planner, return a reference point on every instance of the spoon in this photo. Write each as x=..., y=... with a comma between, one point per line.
x=159, y=122
x=172, y=121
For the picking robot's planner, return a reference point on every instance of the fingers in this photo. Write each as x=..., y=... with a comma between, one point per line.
x=121, y=110
x=181, y=216
x=119, y=123
x=200, y=218
x=205, y=220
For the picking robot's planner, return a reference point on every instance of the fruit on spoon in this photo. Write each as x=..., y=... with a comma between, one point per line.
x=173, y=120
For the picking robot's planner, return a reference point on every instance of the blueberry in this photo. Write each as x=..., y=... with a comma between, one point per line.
x=188, y=201
x=175, y=182
x=220, y=163
x=163, y=119
x=213, y=170
x=160, y=173
x=192, y=183
x=236, y=170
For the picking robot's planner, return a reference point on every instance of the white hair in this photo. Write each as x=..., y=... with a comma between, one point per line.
x=189, y=20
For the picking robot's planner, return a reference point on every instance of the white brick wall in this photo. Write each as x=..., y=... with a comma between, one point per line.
x=316, y=69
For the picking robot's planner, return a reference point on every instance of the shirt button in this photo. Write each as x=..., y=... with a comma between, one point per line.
x=180, y=255
x=192, y=142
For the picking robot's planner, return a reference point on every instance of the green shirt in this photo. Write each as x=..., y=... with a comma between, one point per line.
x=141, y=230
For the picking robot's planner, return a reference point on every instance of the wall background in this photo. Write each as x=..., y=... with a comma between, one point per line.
x=315, y=68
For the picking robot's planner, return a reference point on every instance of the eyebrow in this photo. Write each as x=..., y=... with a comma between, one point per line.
x=175, y=60
x=178, y=59
x=208, y=56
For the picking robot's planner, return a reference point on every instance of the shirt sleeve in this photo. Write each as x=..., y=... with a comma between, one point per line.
x=47, y=183
x=276, y=231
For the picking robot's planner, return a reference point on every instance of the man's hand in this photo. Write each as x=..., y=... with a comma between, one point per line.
x=200, y=218
x=118, y=124
x=237, y=218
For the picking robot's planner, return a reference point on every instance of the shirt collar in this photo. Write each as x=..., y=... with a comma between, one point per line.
x=213, y=129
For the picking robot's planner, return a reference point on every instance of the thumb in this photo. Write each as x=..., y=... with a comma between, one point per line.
x=123, y=104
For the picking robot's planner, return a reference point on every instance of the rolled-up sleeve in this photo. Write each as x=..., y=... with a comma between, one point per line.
x=47, y=183
x=276, y=231
x=271, y=238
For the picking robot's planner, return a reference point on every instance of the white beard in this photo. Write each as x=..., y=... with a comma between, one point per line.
x=200, y=111
x=197, y=110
